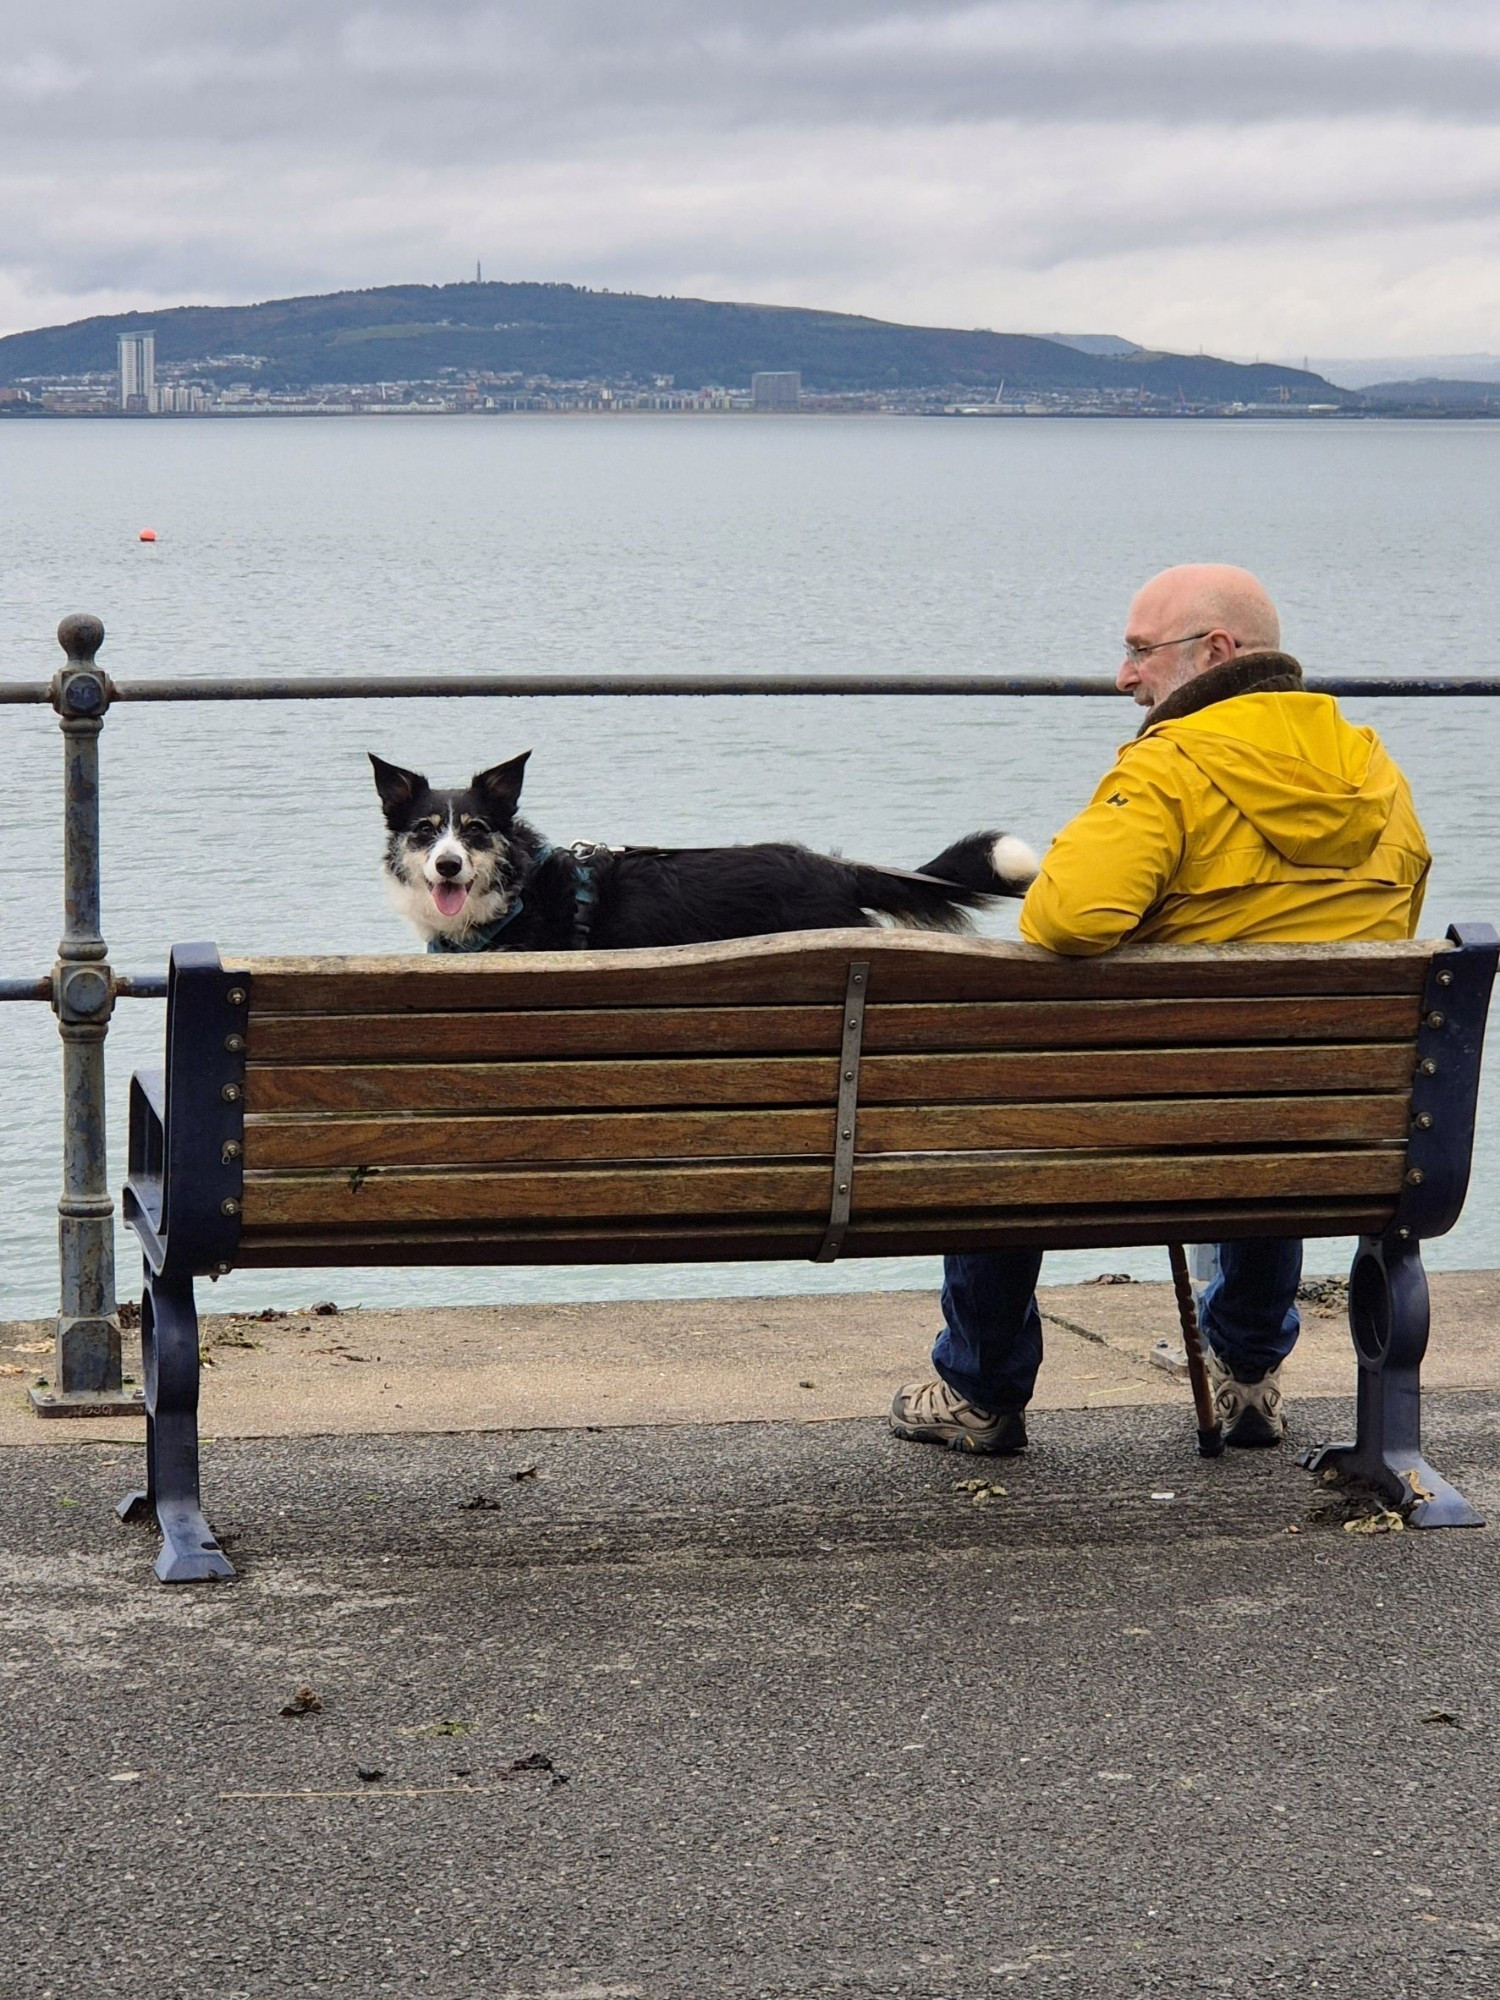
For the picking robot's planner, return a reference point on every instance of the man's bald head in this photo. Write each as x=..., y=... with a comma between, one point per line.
x=1189, y=619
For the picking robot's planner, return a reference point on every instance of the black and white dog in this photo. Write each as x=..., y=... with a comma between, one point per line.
x=472, y=876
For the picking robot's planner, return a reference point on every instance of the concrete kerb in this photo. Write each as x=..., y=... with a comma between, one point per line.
x=308, y=1372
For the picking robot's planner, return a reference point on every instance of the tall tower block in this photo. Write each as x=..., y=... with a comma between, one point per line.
x=138, y=372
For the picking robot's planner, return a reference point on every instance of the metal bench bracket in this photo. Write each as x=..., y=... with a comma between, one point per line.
x=846, y=1123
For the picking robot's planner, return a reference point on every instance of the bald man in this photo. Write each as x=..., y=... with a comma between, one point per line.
x=1244, y=808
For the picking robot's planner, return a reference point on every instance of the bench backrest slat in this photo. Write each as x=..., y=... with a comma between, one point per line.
x=811, y=967
x=679, y=1240
x=950, y=1077
x=541, y=1034
x=713, y=1189
x=299, y=1142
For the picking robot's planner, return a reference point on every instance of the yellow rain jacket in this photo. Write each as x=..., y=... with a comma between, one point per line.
x=1262, y=816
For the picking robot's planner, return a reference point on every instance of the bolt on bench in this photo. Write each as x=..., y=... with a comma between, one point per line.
x=856, y=1093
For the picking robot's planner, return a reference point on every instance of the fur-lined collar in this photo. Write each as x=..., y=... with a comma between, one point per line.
x=1246, y=673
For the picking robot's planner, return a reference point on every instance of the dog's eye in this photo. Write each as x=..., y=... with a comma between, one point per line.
x=433, y=826
x=471, y=825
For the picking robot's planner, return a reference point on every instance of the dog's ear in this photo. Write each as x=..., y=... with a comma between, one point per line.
x=500, y=786
x=397, y=788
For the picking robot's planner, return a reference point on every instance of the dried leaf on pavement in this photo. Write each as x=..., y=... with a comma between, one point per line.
x=1383, y=1523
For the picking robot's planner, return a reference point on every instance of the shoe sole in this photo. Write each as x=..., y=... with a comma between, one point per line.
x=997, y=1447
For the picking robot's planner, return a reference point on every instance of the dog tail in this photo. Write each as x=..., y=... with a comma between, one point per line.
x=910, y=901
x=967, y=876
x=996, y=864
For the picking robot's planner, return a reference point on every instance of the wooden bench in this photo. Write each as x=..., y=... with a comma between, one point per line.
x=853, y=1093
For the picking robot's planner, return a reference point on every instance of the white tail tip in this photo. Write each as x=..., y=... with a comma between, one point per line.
x=1013, y=861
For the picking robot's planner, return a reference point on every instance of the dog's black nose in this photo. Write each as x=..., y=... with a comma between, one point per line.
x=448, y=866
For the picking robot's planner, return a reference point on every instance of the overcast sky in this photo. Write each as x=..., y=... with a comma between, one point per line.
x=1271, y=177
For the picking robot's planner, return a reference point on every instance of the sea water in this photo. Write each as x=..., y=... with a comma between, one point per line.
x=666, y=545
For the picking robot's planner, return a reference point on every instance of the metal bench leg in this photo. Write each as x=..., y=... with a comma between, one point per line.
x=169, y=1346
x=1388, y=1318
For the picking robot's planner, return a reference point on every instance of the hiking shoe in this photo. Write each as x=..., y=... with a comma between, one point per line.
x=932, y=1413
x=1249, y=1413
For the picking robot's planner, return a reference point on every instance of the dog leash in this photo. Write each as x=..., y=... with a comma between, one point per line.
x=585, y=855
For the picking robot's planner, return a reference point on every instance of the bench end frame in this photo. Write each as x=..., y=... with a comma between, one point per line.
x=1389, y=1312
x=183, y=1199
x=1389, y=1320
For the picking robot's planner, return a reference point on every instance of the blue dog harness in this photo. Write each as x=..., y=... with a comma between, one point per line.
x=486, y=937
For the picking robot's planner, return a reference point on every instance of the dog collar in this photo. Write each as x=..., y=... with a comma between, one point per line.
x=483, y=937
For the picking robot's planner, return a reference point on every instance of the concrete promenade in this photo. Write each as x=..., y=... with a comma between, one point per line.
x=636, y=1661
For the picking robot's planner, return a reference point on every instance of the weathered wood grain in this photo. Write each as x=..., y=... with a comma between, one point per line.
x=927, y=1235
x=811, y=967
x=353, y=1142
x=897, y=1183
x=662, y=1106
x=478, y=1036
x=809, y=1080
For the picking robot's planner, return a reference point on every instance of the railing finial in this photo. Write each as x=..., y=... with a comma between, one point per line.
x=81, y=635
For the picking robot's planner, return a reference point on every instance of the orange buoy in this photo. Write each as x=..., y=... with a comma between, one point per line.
x=148, y=534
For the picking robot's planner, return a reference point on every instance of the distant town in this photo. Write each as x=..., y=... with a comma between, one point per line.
x=226, y=385
x=494, y=348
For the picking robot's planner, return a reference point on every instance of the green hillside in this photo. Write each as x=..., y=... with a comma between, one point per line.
x=411, y=332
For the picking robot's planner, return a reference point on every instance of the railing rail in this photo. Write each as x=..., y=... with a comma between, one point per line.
x=405, y=687
x=83, y=988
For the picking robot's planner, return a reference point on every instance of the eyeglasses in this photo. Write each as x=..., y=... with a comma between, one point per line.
x=1135, y=654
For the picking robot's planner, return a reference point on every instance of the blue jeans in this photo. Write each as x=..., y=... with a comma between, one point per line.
x=991, y=1344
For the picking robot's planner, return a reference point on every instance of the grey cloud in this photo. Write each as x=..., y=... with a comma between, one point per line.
x=868, y=152
x=499, y=81
x=1350, y=222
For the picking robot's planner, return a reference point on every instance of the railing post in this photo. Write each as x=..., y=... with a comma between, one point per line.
x=86, y=1379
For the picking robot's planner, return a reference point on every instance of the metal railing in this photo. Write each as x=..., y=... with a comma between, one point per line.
x=83, y=987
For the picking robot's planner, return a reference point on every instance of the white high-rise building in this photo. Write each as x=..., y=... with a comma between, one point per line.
x=138, y=372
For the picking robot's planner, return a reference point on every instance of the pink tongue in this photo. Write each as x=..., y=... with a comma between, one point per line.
x=450, y=898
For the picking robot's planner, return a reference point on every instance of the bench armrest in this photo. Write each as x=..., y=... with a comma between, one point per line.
x=148, y=1122
x=146, y=1171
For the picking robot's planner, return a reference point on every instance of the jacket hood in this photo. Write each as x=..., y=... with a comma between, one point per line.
x=1316, y=788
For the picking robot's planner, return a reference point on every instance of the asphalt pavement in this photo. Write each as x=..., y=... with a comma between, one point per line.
x=749, y=1709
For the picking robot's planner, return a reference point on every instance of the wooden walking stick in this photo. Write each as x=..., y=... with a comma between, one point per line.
x=1210, y=1437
